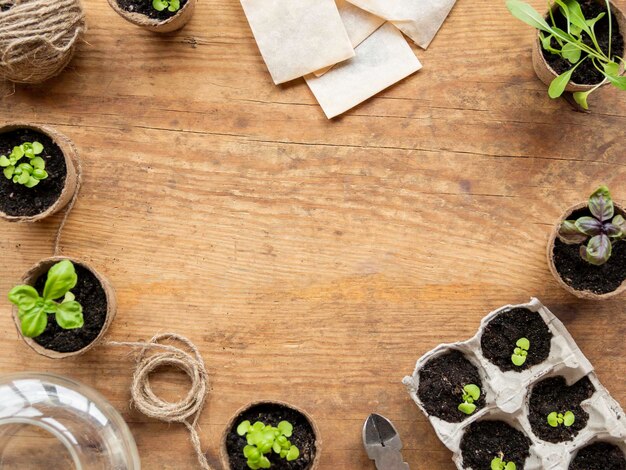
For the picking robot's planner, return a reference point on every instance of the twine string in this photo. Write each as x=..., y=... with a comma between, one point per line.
x=56, y=246
x=187, y=410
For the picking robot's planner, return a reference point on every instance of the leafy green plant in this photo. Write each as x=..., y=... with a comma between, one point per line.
x=520, y=352
x=33, y=309
x=171, y=5
x=498, y=463
x=471, y=393
x=602, y=230
x=29, y=174
x=557, y=419
x=263, y=439
x=573, y=44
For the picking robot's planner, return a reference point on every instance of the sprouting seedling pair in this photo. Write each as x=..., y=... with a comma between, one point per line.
x=471, y=393
x=520, y=352
x=499, y=463
x=557, y=419
x=577, y=44
x=171, y=5
x=28, y=174
x=33, y=309
x=263, y=439
x=603, y=229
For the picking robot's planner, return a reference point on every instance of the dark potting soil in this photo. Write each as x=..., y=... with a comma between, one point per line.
x=145, y=7
x=553, y=394
x=485, y=440
x=441, y=386
x=500, y=335
x=581, y=275
x=90, y=294
x=586, y=73
x=303, y=437
x=599, y=456
x=17, y=199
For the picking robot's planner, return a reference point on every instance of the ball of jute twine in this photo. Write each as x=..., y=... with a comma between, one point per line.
x=38, y=37
x=187, y=410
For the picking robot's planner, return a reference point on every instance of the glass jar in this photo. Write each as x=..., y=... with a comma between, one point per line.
x=48, y=421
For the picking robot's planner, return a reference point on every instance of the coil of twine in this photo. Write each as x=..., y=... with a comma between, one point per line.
x=187, y=410
x=38, y=37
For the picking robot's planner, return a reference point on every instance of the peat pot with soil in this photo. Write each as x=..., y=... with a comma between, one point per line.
x=270, y=434
x=159, y=16
x=587, y=249
x=579, y=45
x=38, y=167
x=63, y=307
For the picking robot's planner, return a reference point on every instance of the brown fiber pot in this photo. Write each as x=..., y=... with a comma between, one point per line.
x=43, y=267
x=71, y=179
x=174, y=23
x=318, y=443
x=546, y=73
x=582, y=294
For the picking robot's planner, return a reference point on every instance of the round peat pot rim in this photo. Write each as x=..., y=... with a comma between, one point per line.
x=546, y=73
x=581, y=294
x=168, y=25
x=44, y=266
x=225, y=459
x=70, y=185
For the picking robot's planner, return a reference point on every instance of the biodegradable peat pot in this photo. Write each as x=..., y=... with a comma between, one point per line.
x=21, y=204
x=617, y=286
x=148, y=18
x=95, y=294
x=305, y=432
x=545, y=70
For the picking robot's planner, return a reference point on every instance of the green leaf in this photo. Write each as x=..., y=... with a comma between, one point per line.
x=553, y=419
x=159, y=5
x=473, y=391
x=598, y=250
x=8, y=172
x=23, y=178
x=253, y=465
x=601, y=204
x=40, y=174
x=293, y=454
x=524, y=12
x=518, y=360
x=61, y=278
x=618, y=82
x=546, y=43
x=592, y=22
x=568, y=419
x=569, y=233
x=619, y=222
x=571, y=53
x=24, y=297
x=38, y=163
x=251, y=453
x=37, y=148
x=510, y=466
x=589, y=226
x=467, y=408
x=576, y=15
x=174, y=5
x=258, y=426
x=32, y=182
x=557, y=87
x=276, y=447
x=264, y=462
x=69, y=315
x=497, y=464
x=17, y=152
x=523, y=343
x=33, y=322
x=4, y=161
x=285, y=428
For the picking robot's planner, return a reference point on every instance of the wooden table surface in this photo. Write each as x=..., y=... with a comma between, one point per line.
x=312, y=261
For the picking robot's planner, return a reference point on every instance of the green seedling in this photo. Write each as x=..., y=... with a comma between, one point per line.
x=557, y=419
x=520, y=352
x=603, y=229
x=263, y=439
x=471, y=393
x=498, y=463
x=33, y=309
x=577, y=44
x=171, y=5
x=28, y=174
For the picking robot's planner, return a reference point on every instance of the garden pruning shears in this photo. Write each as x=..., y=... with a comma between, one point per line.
x=382, y=443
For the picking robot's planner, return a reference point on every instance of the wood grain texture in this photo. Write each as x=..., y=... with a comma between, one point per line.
x=312, y=261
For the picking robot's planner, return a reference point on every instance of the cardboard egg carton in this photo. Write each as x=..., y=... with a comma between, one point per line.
x=507, y=395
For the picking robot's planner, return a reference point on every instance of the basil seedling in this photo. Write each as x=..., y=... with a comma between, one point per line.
x=33, y=309
x=556, y=419
x=602, y=230
x=498, y=463
x=577, y=45
x=28, y=174
x=263, y=439
x=520, y=352
x=471, y=393
x=171, y=5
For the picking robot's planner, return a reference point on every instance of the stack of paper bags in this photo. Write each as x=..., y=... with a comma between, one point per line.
x=347, y=50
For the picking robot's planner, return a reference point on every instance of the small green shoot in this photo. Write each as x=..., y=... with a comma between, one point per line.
x=603, y=229
x=577, y=44
x=520, y=352
x=498, y=463
x=33, y=309
x=27, y=174
x=171, y=5
x=263, y=439
x=471, y=393
x=557, y=419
